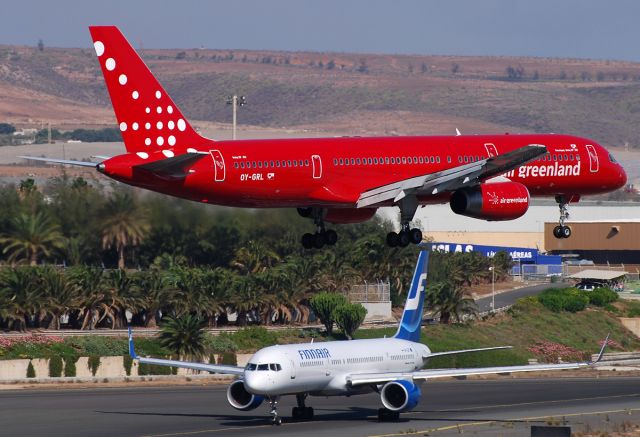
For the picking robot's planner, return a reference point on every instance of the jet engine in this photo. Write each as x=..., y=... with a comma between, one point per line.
x=349, y=215
x=493, y=201
x=400, y=395
x=240, y=398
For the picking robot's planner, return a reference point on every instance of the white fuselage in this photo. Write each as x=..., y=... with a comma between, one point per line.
x=323, y=368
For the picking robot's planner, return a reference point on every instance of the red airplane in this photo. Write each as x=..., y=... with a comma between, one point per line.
x=338, y=180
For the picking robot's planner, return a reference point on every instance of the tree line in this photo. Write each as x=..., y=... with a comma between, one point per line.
x=106, y=255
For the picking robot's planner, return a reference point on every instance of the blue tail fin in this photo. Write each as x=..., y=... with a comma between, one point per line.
x=409, y=328
x=132, y=351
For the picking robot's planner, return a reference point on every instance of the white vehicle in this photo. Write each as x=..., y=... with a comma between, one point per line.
x=391, y=367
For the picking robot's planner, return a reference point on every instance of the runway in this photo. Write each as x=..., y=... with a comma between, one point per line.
x=483, y=407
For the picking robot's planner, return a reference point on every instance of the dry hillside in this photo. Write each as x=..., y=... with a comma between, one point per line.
x=346, y=93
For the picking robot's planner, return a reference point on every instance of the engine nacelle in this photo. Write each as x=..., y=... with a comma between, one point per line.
x=400, y=395
x=494, y=201
x=240, y=398
x=345, y=216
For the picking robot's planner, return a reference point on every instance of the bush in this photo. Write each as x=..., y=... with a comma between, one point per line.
x=602, y=296
x=70, y=366
x=253, y=337
x=55, y=367
x=228, y=358
x=324, y=306
x=93, y=364
x=568, y=299
x=349, y=317
x=31, y=372
x=219, y=343
x=127, y=362
x=153, y=369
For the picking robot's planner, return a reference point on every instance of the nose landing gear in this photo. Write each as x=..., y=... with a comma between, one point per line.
x=275, y=419
x=562, y=231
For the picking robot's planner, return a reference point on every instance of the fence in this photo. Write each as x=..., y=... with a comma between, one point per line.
x=376, y=292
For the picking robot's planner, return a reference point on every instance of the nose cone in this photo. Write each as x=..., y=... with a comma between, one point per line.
x=622, y=177
x=257, y=382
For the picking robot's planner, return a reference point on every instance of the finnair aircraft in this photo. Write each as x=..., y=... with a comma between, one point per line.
x=388, y=366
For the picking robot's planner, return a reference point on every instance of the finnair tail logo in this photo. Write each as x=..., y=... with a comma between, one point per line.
x=414, y=301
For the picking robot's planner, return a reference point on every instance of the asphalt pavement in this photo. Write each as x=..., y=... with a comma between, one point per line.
x=508, y=298
x=506, y=407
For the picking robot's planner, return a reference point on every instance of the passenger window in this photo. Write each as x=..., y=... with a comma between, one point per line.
x=466, y=159
x=341, y=161
x=460, y=159
x=421, y=160
x=235, y=165
x=404, y=159
x=353, y=161
x=271, y=163
x=393, y=160
x=432, y=159
x=254, y=164
x=386, y=160
x=415, y=160
x=277, y=163
x=578, y=157
x=259, y=164
x=571, y=157
x=566, y=158
x=438, y=159
x=288, y=163
x=346, y=161
x=369, y=161
x=306, y=163
x=295, y=163
x=358, y=161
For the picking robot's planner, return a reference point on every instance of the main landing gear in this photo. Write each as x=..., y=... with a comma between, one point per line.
x=408, y=206
x=562, y=231
x=275, y=419
x=322, y=236
x=302, y=412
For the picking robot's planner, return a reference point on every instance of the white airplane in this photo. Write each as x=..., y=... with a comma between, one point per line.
x=388, y=366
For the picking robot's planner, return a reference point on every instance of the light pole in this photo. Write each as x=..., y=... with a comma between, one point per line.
x=493, y=288
x=235, y=101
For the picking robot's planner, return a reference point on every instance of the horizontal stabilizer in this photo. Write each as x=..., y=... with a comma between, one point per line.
x=174, y=168
x=60, y=161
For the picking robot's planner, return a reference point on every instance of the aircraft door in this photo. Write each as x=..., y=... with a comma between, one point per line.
x=317, y=166
x=491, y=149
x=594, y=164
x=292, y=374
x=218, y=165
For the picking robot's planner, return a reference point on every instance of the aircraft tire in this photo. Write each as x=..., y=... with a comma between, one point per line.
x=295, y=413
x=307, y=413
x=304, y=212
x=308, y=241
x=404, y=239
x=566, y=232
x=415, y=235
x=319, y=240
x=557, y=232
x=392, y=239
x=331, y=237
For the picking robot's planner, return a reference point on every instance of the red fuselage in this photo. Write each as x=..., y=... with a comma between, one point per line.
x=333, y=172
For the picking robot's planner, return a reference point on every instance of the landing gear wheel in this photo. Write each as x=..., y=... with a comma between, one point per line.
x=319, y=240
x=566, y=231
x=404, y=239
x=307, y=241
x=296, y=413
x=308, y=413
x=415, y=235
x=557, y=231
x=392, y=239
x=305, y=212
x=331, y=237
x=276, y=421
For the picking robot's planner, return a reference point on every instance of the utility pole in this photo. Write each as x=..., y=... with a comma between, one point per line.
x=235, y=101
x=493, y=288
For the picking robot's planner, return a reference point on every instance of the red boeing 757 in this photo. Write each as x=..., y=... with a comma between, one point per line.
x=338, y=180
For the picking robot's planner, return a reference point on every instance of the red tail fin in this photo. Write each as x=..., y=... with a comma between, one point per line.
x=148, y=118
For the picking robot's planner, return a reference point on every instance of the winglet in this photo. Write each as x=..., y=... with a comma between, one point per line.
x=132, y=352
x=604, y=346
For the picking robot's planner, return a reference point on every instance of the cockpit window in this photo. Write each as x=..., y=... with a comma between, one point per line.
x=251, y=366
x=263, y=367
x=612, y=159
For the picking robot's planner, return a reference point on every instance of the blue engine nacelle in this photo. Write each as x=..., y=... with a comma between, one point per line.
x=240, y=398
x=400, y=395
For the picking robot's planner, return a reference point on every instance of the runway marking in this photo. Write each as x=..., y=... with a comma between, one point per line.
x=488, y=422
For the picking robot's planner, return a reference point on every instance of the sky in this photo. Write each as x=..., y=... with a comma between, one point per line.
x=545, y=28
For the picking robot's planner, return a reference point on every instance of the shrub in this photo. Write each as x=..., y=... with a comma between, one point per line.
x=349, y=317
x=228, y=358
x=602, y=296
x=153, y=369
x=551, y=352
x=568, y=299
x=324, y=305
x=31, y=372
x=55, y=366
x=93, y=363
x=253, y=337
x=127, y=362
x=219, y=343
x=70, y=366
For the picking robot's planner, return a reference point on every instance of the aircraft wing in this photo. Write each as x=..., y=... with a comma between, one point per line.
x=60, y=161
x=453, y=178
x=465, y=351
x=381, y=378
x=214, y=368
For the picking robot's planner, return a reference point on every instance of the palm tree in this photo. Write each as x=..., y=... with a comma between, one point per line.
x=157, y=293
x=449, y=300
x=32, y=235
x=255, y=257
x=20, y=297
x=124, y=294
x=61, y=294
x=184, y=336
x=124, y=225
x=95, y=303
